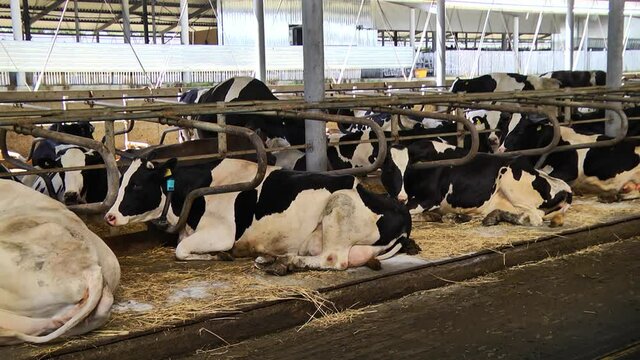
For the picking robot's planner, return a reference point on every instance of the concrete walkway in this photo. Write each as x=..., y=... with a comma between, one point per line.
x=580, y=306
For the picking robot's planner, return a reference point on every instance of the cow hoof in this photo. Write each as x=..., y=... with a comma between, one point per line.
x=457, y=218
x=278, y=268
x=373, y=264
x=557, y=221
x=429, y=216
x=492, y=219
x=410, y=247
x=264, y=260
x=224, y=256
x=609, y=198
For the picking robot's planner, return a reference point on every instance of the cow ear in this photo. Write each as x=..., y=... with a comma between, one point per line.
x=167, y=168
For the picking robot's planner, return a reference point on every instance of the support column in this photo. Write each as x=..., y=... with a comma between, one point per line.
x=516, y=42
x=261, y=69
x=412, y=29
x=126, y=24
x=153, y=21
x=585, y=45
x=16, y=25
x=145, y=21
x=615, y=40
x=440, y=44
x=77, y=19
x=568, y=40
x=26, y=20
x=313, y=54
x=184, y=33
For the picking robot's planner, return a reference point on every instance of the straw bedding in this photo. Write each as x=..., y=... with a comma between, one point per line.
x=156, y=291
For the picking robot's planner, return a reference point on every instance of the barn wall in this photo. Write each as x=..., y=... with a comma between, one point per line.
x=238, y=22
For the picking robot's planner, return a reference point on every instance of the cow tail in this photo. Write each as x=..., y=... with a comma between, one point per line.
x=94, y=287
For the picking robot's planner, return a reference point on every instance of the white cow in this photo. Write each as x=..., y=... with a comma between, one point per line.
x=57, y=278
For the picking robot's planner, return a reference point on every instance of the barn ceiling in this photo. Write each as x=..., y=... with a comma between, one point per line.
x=105, y=15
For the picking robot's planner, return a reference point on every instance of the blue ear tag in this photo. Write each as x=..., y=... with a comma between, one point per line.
x=170, y=184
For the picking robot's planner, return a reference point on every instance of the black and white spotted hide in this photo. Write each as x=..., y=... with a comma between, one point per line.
x=299, y=220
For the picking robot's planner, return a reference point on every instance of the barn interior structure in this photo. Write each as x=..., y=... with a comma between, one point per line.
x=319, y=178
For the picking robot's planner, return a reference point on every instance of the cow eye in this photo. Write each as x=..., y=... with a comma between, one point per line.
x=137, y=187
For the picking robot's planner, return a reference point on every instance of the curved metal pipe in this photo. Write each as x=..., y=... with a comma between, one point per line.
x=113, y=175
x=382, y=145
x=475, y=140
x=22, y=165
x=196, y=193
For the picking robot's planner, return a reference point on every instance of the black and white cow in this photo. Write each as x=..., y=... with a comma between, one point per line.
x=308, y=220
x=578, y=78
x=498, y=188
x=58, y=278
x=384, y=121
x=612, y=172
x=43, y=151
x=347, y=156
x=245, y=89
x=503, y=82
x=189, y=97
x=72, y=187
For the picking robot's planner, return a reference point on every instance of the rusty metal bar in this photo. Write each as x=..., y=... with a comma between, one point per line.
x=22, y=165
x=113, y=175
x=261, y=157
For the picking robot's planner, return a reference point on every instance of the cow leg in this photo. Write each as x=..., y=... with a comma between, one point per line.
x=201, y=244
x=526, y=218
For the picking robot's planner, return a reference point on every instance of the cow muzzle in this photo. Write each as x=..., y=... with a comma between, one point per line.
x=72, y=198
x=110, y=219
x=403, y=198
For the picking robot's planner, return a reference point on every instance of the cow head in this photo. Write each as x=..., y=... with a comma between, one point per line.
x=74, y=182
x=394, y=168
x=522, y=131
x=141, y=194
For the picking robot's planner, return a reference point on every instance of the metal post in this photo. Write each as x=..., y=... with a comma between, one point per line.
x=26, y=20
x=184, y=33
x=585, y=39
x=412, y=29
x=313, y=54
x=615, y=34
x=516, y=42
x=145, y=21
x=126, y=25
x=440, y=44
x=77, y=19
x=153, y=21
x=219, y=22
x=261, y=69
x=16, y=25
x=568, y=33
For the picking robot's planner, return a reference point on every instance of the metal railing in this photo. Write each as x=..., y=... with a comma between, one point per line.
x=25, y=120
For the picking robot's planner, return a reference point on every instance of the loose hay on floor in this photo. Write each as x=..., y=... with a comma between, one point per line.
x=443, y=240
x=158, y=292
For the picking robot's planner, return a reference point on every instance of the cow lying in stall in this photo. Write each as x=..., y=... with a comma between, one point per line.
x=503, y=82
x=347, y=156
x=497, y=188
x=306, y=220
x=58, y=278
x=612, y=172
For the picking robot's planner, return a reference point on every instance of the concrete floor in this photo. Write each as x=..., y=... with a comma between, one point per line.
x=579, y=306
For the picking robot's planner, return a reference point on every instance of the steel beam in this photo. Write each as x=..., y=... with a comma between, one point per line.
x=615, y=40
x=568, y=40
x=116, y=18
x=145, y=21
x=46, y=10
x=516, y=42
x=261, y=69
x=76, y=19
x=313, y=54
x=26, y=20
x=16, y=24
x=440, y=44
x=153, y=21
x=184, y=33
x=126, y=24
x=412, y=29
x=195, y=13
